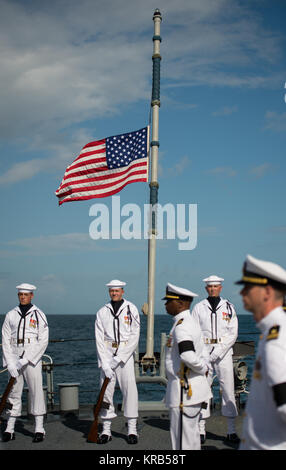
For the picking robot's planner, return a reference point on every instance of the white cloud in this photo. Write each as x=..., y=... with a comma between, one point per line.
x=66, y=243
x=51, y=283
x=63, y=150
x=260, y=170
x=65, y=63
x=222, y=171
x=52, y=243
x=278, y=229
x=275, y=121
x=22, y=171
x=177, y=169
x=225, y=111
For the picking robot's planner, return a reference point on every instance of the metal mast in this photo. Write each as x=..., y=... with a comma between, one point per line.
x=149, y=359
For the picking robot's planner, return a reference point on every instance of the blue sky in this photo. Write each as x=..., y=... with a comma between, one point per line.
x=73, y=72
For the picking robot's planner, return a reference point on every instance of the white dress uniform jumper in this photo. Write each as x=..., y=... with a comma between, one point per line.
x=25, y=337
x=117, y=335
x=219, y=325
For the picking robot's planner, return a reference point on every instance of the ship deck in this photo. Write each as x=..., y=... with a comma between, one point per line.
x=69, y=432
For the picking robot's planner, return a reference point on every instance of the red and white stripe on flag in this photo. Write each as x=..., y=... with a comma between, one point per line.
x=106, y=166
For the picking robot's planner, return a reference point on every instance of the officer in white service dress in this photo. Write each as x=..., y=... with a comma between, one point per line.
x=25, y=336
x=117, y=330
x=264, y=424
x=218, y=321
x=186, y=369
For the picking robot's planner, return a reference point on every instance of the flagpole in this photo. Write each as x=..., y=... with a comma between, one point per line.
x=149, y=358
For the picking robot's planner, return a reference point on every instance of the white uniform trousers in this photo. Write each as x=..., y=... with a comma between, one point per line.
x=125, y=375
x=224, y=371
x=33, y=377
x=189, y=428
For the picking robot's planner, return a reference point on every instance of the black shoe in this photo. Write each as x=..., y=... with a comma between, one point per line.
x=203, y=438
x=232, y=438
x=39, y=437
x=132, y=439
x=8, y=436
x=103, y=439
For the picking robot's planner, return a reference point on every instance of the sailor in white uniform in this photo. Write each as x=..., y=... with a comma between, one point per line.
x=264, y=425
x=186, y=368
x=117, y=330
x=25, y=336
x=218, y=321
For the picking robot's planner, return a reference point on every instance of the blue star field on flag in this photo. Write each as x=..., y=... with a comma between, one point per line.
x=123, y=149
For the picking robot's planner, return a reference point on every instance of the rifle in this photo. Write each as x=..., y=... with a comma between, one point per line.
x=93, y=432
x=6, y=394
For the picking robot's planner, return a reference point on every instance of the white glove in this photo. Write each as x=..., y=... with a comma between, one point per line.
x=21, y=363
x=108, y=372
x=213, y=357
x=12, y=369
x=114, y=362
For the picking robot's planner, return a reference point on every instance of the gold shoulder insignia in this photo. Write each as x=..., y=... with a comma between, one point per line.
x=273, y=332
x=180, y=321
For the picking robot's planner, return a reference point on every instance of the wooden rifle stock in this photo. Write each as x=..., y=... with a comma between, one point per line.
x=6, y=394
x=93, y=432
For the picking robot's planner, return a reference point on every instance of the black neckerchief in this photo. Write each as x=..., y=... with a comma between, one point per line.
x=214, y=301
x=24, y=310
x=116, y=304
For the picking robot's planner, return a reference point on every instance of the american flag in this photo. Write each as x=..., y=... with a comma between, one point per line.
x=105, y=166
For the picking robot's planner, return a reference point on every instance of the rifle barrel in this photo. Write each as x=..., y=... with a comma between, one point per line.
x=6, y=394
x=93, y=432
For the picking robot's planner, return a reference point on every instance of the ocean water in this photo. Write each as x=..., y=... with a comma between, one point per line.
x=73, y=353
